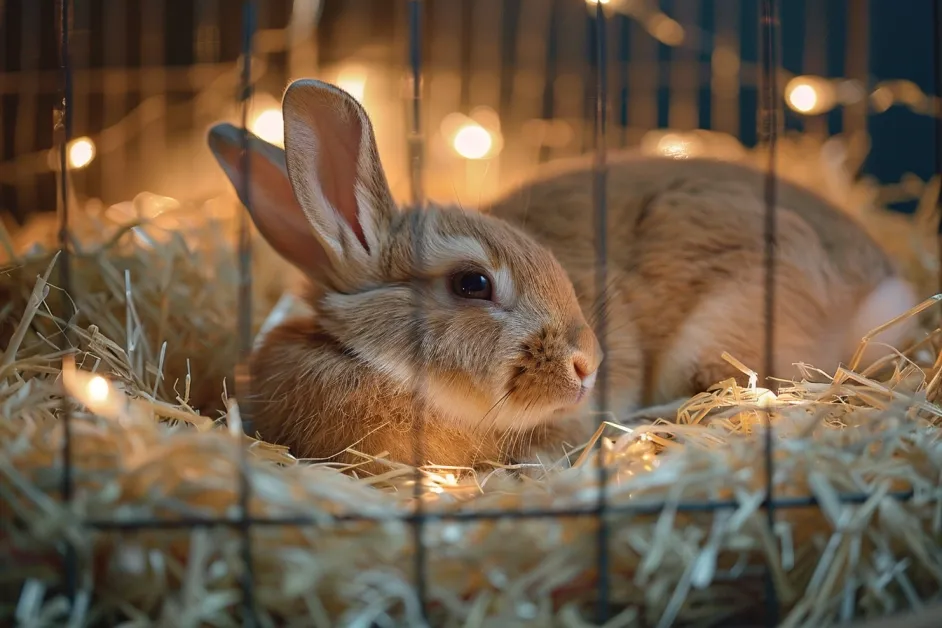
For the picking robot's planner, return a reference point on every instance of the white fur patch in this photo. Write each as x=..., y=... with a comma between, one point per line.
x=504, y=290
x=726, y=322
x=474, y=414
x=443, y=251
x=891, y=298
x=677, y=364
x=288, y=306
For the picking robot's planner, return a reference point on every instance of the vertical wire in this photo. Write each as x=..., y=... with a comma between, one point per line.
x=243, y=376
x=415, y=170
x=937, y=50
x=63, y=128
x=415, y=122
x=601, y=252
x=624, y=64
x=768, y=134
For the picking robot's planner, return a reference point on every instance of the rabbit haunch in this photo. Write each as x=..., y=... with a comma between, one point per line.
x=686, y=272
x=493, y=369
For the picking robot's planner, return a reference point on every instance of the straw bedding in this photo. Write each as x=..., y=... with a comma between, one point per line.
x=141, y=450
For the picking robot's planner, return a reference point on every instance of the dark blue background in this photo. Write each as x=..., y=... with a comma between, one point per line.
x=901, y=46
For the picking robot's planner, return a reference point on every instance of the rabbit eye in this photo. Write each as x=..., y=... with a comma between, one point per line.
x=472, y=285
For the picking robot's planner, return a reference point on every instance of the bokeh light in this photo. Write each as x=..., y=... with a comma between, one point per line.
x=472, y=141
x=81, y=152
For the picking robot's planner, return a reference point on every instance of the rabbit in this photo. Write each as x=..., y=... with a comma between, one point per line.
x=686, y=273
x=508, y=357
x=439, y=326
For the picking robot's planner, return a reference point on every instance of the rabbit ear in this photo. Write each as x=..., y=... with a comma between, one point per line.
x=272, y=204
x=335, y=169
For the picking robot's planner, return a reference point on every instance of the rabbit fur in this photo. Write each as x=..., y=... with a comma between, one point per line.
x=393, y=361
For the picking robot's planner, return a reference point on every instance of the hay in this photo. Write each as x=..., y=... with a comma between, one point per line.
x=155, y=342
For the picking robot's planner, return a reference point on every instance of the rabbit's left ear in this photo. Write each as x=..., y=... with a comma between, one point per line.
x=271, y=203
x=335, y=169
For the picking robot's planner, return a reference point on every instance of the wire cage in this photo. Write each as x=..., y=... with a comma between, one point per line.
x=468, y=98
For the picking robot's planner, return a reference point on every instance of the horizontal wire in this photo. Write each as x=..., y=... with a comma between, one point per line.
x=789, y=503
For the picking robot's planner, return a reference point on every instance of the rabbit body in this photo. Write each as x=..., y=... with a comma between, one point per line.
x=458, y=338
x=436, y=326
x=348, y=383
x=686, y=271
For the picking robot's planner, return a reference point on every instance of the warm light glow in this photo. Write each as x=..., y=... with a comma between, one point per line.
x=472, y=141
x=810, y=95
x=353, y=81
x=766, y=398
x=81, y=152
x=666, y=30
x=98, y=389
x=269, y=125
x=803, y=98
x=597, y=1
x=674, y=146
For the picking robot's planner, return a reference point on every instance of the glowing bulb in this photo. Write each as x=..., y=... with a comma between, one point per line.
x=597, y=1
x=98, y=389
x=353, y=81
x=81, y=152
x=472, y=141
x=810, y=95
x=803, y=98
x=270, y=126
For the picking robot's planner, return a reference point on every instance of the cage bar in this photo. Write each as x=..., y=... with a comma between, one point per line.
x=937, y=76
x=244, y=322
x=63, y=132
x=416, y=163
x=635, y=509
x=769, y=126
x=769, y=121
x=600, y=201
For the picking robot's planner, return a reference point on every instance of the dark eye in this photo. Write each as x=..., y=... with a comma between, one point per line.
x=471, y=285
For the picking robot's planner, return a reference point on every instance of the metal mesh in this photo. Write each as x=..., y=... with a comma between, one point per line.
x=769, y=123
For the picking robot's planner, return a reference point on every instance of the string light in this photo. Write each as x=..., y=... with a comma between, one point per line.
x=269, y=125
x=810, y=95
x=98, y=389
x=472, y=141
x=803, y=98
x=81, y=152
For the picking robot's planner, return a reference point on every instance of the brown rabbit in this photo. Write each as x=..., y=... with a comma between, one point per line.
x=499, y=354
x=477, y=329
x=686, y=272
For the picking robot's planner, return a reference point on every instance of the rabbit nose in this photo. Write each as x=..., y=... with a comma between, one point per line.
x=584, y=368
